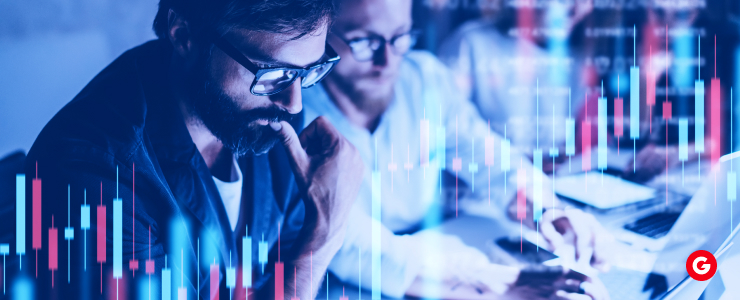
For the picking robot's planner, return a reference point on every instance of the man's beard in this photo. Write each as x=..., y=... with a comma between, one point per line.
x=234, y=127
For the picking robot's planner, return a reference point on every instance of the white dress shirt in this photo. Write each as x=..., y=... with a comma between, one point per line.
x=410, y=195
x=500, y=74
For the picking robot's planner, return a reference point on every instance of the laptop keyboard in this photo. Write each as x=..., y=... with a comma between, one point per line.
x=655, y=226
x=624, y=284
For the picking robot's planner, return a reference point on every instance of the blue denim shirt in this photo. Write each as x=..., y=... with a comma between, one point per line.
x=126, y=120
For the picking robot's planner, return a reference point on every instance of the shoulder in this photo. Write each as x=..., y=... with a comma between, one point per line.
x=471, y=28
x=106, y=118
x=468, y=32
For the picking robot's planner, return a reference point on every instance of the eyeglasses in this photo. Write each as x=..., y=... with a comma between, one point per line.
x=270, y=81
x=363, y=49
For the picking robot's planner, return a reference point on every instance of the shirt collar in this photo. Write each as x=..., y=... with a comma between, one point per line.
x=165, y=124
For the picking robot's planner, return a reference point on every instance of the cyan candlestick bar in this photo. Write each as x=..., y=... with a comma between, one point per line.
x=683, y=143
x=570, y=137
x=4, y=250
x=69, y=233
x=376, y=231
x=601, y=163
x=85, y=225
x=247, y=260
x=505, y=155
x=230, y=276
x=731, y=186
x=20, y=217
x=166, y=281
x=634, y=91
x=537, y=175
x=117, y=238
x=699, y=116
x=635, y=102
x=117, y=234
x=683, y=139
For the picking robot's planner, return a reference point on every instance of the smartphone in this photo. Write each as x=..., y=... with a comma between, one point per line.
x=524, y=251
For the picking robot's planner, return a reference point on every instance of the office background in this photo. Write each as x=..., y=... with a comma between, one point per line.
x=49, y=49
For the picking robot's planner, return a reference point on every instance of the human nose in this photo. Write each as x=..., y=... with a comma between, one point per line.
x=382, y=55
x=290, y=98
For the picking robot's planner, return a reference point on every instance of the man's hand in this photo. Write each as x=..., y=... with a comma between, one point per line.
x=571, y=233
x=568, y=286
x=329, y=171
x=650, y=162
x=564, y=229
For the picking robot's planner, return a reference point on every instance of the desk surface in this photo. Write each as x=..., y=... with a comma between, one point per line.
x=477, y=229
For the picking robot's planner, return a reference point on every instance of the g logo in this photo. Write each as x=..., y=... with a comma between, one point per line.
x=701, y=265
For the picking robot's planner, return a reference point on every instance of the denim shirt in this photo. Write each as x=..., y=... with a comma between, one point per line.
x=125, y=120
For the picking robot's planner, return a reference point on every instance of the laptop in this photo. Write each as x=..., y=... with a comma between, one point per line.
x=689, y=288
x=708, y=222
x=634, y=213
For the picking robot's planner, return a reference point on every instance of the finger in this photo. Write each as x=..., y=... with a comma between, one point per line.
x=507, y=274
x=307, y=134
x=583, y=232
x=572, y=296
x=500, y=273
x=320, y=137
x=629, y=170
x=595, y=291
x=475, y=257
x=553, y=237
x=553, y=214
x=490, y=286
x=602, y=249
x=569, y=286
x=495, y=278
x=297, y=155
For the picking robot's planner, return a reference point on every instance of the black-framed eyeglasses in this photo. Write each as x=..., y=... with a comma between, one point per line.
x=270, y=81
x=363, y=49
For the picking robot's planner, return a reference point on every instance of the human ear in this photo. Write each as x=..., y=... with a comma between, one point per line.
x=179, y=34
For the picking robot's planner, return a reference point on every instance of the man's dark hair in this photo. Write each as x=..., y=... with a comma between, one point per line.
x=299, y=17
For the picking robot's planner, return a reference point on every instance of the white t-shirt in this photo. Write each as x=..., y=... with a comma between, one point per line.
x=231, y=194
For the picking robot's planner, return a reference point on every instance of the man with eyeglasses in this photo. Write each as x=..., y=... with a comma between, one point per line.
x=181, y=131
x=399, y=108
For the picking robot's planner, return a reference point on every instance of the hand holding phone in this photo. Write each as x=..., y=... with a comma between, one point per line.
x=556, y=282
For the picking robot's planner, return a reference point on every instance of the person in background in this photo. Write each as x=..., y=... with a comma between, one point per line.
x=381, y=96
x=508, y=52
x=510, y=58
